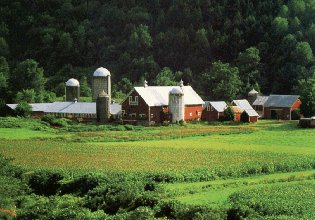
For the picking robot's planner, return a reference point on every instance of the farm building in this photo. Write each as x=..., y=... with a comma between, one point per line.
x=237, y=113
x=248, y=113
x=213, y=111
x=83, y=111
x=155, y=104
x=259, y=103
x=281, y=106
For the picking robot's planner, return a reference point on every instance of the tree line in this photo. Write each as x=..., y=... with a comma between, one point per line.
x=222, y=48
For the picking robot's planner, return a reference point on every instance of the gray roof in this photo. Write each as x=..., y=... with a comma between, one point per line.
x=219, y=106
x=281, y=100
x=159, y=95
x=244, y=105
x=36, y=107
x=70, y=107
x=260, y=100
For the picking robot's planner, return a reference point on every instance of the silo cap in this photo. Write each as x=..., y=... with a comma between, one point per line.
x=103, y=94
x=103, y=72
x=253, y=92
x=72, y=82
x=176, y=90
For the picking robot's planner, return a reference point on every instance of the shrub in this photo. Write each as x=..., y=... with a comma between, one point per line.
x=228, y=114
x=45, y=182
x=295, y=114
x=23, y=109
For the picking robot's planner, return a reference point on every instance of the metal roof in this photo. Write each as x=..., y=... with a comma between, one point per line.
x=70, y=107
x=103, y=72
x=260, y=100
x=36, y=107
x=281, y=100
x=219, y=106
x=72, y=82
x=159, y=95
x=244, y=105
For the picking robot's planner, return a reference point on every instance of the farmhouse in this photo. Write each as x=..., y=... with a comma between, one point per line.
x=248, y=113
x=281, y=106
x=213, y=111
x=155, y=104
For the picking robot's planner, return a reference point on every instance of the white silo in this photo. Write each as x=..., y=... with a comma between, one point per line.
x=101, y=81
x=176, y=104
x=72, y=90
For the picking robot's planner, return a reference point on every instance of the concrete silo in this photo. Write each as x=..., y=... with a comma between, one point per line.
x=176, y=104
x=72, y=90
x=101, y=81
x=103, y=107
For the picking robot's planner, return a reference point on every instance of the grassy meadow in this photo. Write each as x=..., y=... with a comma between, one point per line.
x=197, y=164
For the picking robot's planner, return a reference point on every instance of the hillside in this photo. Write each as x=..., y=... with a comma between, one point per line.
x=263, y=44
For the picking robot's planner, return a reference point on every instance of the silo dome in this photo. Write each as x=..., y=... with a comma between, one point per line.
x=72, y=82
x=176, y=90
x=103, y=72
x=253, y=92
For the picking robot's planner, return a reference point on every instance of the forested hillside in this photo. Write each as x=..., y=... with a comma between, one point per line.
x=222, y=48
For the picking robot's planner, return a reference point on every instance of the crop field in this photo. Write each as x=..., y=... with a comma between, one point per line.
x=197, y=164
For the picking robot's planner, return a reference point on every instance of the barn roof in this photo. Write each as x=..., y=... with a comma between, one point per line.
x=244, y=105
x=36, y=107
x=69, y=107
x=260, y=100
x=159, y=95
x=281, y=100
x=219, y=106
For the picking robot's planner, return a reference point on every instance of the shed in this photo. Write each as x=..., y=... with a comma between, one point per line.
x=252, y=115
x=213, y=110
x=281, y=106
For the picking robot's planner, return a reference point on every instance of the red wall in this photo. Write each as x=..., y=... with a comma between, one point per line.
x=296, y=105
x=194, y=109
x=141, y=108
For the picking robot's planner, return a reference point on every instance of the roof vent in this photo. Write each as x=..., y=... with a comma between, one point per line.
x=145, y=84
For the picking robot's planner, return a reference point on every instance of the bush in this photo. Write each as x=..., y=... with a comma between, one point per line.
x=23, y=109
x=45, y=182
x=295, y=114
x=228, y=114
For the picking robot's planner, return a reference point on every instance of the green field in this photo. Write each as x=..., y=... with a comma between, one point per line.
x=197, y=164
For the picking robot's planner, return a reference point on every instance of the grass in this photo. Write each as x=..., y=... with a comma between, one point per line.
x=218, y=191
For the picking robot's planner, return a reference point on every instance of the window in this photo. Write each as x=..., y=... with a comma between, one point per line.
x=190, y=114
x=208, y=108
x=199, y=113
x=133, y=100
x=142, y=115
x=152, y=115
x=133, y=115
x=123, y=112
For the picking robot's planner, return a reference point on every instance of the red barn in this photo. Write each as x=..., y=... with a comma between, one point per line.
x=213, y=111
x=281, y=106
x=149, y=104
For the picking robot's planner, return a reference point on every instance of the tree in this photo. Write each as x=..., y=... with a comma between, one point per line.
x=85, y=89
x=23, y=109
x=26, y=95
x=306, y=89
x=303, y=53
x=280, y=25
x=222, y=82
x=4, y=74
x=228, y=114
x=165, y=78
x=248, y=63
x=27, y=75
